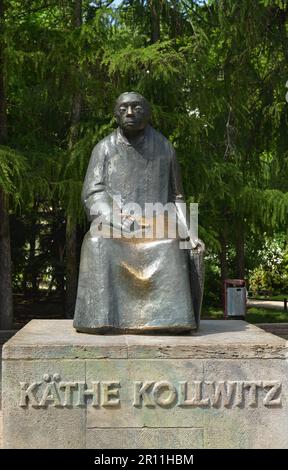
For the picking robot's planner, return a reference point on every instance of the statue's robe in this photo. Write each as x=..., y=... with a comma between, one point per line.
x=140, y=285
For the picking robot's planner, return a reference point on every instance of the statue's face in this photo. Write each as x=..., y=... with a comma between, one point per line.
x=132, y=113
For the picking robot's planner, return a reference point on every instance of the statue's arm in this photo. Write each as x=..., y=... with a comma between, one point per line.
x=196, y=246
x=177, y=196
x=94, y=196
x=97, y=198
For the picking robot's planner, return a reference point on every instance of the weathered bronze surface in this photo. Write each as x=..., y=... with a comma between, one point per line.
x=130, y=283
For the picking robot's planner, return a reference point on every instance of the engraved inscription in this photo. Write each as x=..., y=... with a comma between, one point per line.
x=52, y=391
x=214, y=394
x=273, y=396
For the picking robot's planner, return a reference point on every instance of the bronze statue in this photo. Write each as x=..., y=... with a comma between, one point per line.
x=130, y=282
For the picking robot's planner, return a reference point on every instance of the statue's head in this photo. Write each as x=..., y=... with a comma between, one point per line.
x=132, y=112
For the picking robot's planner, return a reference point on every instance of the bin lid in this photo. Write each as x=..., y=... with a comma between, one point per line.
x=236, y=282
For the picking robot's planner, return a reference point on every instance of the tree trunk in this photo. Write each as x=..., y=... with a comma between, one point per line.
x=240, y=254
x=223, y=265
x=71, y=228
x=33, y=272
x=77, y=20
x=32, y=253
x=6, y=303
x=223, y=257
x=24, y=282
x=71, y=267
x=155, y=20
x=59, y=275
x=3, y=111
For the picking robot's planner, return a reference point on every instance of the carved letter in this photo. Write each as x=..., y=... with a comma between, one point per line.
x=225, y=390
x=182, y=395
x=68, y=386
x=269, y=399
x=109, y=390
x=238, y=394
x=141, y=392
x=26, y=394
x=81, y=390
x=94, y=391
x=197, y=400
x=157, y=393
x=252, y=397
x=50, y=394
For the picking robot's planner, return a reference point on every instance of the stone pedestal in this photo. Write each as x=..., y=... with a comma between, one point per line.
x=223, y=387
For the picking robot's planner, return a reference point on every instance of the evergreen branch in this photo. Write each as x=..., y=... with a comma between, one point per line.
x=27, y=12
x=194, y=12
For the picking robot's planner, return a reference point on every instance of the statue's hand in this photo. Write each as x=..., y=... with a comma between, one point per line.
x=197, y=244
x=130, y=224
x=101, y=210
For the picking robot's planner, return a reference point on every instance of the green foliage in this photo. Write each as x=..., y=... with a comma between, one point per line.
x=212, y=292
x=216, y=81
x=265, y=315
x=272, y=273
x=12, y=166
x=254, y=315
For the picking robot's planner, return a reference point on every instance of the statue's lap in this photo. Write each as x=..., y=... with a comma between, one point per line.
x=128, y=284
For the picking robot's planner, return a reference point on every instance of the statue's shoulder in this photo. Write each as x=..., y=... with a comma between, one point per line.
x=105, y=144
x=161, y=140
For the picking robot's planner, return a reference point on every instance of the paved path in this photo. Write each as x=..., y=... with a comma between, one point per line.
x=278, y=329
x=271, y=304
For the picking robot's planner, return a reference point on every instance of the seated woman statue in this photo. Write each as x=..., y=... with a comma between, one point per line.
x=138, y=273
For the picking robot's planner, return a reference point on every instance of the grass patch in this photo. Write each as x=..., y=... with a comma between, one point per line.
x=212, y=314
x=266, y=315
x=269, y=297
x=254, y=315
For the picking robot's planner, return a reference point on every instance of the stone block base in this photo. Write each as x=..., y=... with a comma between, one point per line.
x=225, y=386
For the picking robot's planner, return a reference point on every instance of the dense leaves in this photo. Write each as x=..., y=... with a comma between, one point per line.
x=215, y=73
